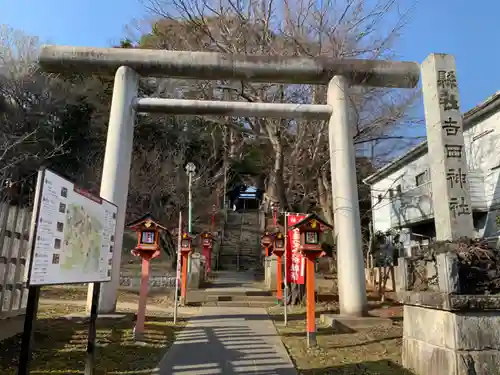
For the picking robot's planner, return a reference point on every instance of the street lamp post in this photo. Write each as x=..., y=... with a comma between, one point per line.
x=190, y=169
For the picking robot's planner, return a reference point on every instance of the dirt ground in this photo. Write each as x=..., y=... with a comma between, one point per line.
x=60, y=344
x=370, y=351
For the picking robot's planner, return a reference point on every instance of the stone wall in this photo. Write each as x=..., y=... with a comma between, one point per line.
x=460, y=267
x=155, y=282
x=446, y=331
x=438, y=342
x=417, y=274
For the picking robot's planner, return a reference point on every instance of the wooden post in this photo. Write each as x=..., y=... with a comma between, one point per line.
x=184, y=277
x=279, y=290
x=310, y=301
x=143, y=297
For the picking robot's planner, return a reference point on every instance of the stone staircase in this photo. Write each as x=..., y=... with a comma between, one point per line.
x=240, y=248
x=233, y=289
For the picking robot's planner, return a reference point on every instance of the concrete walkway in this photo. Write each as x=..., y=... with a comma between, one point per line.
x=228, y=340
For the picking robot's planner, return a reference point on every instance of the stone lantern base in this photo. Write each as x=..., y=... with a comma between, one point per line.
x=451, y=334
x=446, y=332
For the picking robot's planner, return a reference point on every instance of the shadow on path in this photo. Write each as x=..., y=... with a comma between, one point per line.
x=228, y=342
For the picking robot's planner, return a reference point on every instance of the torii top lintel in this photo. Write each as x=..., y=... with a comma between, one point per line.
x=212, y=65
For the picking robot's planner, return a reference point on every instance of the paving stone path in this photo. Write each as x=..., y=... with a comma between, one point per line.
x=228, y=340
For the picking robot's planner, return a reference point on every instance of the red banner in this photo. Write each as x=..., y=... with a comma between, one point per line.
x=295, y=261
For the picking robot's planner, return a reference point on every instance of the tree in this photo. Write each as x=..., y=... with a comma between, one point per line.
x=345, y=29
x=30, y=104
x=163, y=146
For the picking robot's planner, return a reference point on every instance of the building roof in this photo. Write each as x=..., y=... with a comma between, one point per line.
x=311, y=217
x=470, y=118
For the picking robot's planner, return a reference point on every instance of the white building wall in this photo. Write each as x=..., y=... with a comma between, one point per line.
x=405, y=177
x=483, y=150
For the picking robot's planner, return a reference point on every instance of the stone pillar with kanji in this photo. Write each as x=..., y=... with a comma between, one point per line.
x=446, y=151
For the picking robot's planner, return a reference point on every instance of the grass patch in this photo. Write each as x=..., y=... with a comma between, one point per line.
x=79, y=293
x=60, y=344
x=370, y=351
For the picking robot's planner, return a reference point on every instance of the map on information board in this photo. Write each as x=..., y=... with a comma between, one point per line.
x=73, y=234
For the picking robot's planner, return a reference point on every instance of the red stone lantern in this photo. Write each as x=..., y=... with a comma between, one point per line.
x=207, y=241
x=186, y=247
x=186, y=243
x=279, y=250
x=267, y=242
x=311, y=229
x=148, y=247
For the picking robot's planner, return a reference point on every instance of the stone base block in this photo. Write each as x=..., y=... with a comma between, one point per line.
x=196, y=275
x=352, y=323
x=270, y=272
x=437, y=342
x=424, y=358
x=86, y=316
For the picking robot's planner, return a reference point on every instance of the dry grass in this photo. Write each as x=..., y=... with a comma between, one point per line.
x=60, y=344
x=373, y=351
x=79, y=293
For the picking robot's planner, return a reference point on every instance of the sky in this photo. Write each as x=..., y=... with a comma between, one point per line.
x=448, y=26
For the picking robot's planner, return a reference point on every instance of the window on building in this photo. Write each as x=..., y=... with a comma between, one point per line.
x=391, y=193
x=398, y=190
x=421, y=178
x=379, y=197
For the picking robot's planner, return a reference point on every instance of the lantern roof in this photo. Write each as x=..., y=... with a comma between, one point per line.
x=311, y=221
x=279, y=235
x=147, y=221
x=207, y=234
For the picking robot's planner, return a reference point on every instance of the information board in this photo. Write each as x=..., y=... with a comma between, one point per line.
x=72, y=234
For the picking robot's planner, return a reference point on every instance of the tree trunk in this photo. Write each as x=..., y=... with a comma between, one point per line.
x=233, y=144
x=276, y=187
x=325, y=197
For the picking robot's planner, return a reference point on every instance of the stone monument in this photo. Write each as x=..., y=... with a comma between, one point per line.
x=451, y=309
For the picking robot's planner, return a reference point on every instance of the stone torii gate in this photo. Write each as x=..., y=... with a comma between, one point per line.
x=129, y=64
